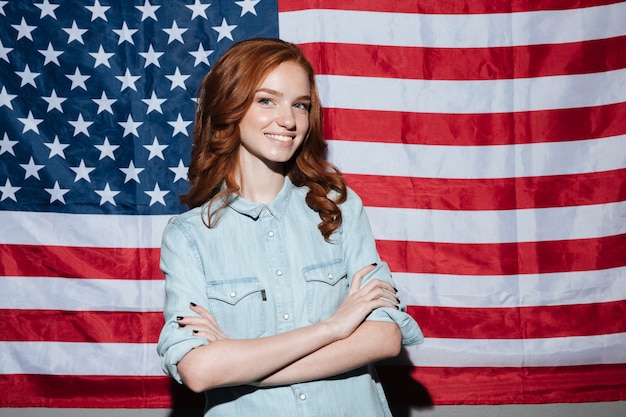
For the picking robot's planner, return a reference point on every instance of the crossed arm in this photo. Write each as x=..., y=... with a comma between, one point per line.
x=341, y=343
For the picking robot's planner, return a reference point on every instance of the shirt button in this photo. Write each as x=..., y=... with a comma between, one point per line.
x=279, y=273
x=233, y=294
x=271, y=234
x=330, y=276
x=286, y=316
x=302, y=397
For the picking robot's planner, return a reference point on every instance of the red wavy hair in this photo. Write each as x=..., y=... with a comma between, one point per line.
x=225, y=94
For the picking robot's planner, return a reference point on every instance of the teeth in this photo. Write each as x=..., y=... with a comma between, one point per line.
x=281, y=138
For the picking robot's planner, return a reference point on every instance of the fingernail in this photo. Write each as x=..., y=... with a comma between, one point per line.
x=181, y=325
x=179, y=317
x=374, y=264
x=195, y=332
x=193, y=304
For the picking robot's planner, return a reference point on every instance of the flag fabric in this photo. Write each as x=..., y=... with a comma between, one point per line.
x=486, y=139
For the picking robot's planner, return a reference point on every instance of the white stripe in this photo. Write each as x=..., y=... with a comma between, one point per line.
x=473, y=96
x=563, y=288
x=453, y=31
x=63, y=358
x=554, y=351
x=473, y=162
x=87, y=230
x=81, y=294
x=498, y=226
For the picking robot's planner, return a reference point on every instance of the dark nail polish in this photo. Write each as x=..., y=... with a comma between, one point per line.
x=193, y=304
x=179, y=317
x=374, y=264
x=195, y=332
x=181, y=325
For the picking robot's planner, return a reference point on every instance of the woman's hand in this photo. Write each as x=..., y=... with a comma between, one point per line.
x=360, y=302
x=205, y=326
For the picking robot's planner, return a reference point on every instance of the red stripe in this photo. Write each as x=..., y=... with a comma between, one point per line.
x=80, y=326
x=521, y=322
x=476, y=129
x=424, y=386
x=80, y=262
x=439, y=6
x=490, y=193
x=64, y=391
x=467, y=63
x=505, y=258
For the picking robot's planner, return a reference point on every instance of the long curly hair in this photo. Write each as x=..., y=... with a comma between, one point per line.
x=224, y=96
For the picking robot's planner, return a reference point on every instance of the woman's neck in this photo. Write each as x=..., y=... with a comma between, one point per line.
x=259, y=185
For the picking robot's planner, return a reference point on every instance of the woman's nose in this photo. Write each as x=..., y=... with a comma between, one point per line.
x=286, y=118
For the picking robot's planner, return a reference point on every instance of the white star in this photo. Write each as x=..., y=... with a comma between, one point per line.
x=106, y=150
x=80, y=126
x=198, y=9
x=128, y=80
x=32, y=169
x=78, y=80
x=4, y=52
x=8, y=191
x=101, y=57
x=30, y=123
x=154, y=103
x=104, y=103
x=97, y=11
x=180, y=126
x=2, y=4
x=82, y=172
x=247, y=6
x=178, y=80
x=6, y=98
x=157, y=196
x=156, y=150
x=75, y=34
x=132, y=173
x=147, y=11
x=125, y=34
x=6, y=145
x=201, y=55
x=224, y=30
x=107, y=195
x=180, y=172
x=151, y=57
x=130, y=126
x=54, y=102
x=28, y=77
x=23, y=30
x=47, y=9
x=56, y=148
x=57, y=193
x=51, y=55
x=175, y=33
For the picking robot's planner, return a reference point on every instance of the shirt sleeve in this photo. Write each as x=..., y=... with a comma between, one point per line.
x=360, y=251
x=184, y=283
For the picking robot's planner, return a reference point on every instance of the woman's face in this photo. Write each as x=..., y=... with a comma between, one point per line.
x=277, y=121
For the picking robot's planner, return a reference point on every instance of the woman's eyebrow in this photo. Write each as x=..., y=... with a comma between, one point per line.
x=279, y=94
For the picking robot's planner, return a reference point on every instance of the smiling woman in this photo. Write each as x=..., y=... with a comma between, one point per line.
x=277, y=301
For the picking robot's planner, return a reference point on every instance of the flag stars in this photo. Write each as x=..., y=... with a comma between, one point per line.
x=47, y=9
x=75, y=33
x=177, y=79
x=202, y=56
x=8, y=191
x=104, y=103
x=106, y=150
x=247, y=6
x=101, y=57
x=175, y=33
x=180, y=171
x=50, y=55
x=32, y=169
x=2, y=4
x=224, y=30
x=151, y=57
x=156, y=149
x=28, y=77
x=125, y=34
x=82, y=172
x=30, y=123
x=57, y=193
x=6, y=98
x=54, y=102
x=6, y=145
x=107, y=195
x=81, y=126
x=148, y=11
x=180, y=125
x=198, y=9
x=156, y=195
x=24, y=30
x=131, y=173
x=56, y=148
x=128, y=80
x=4, y=52
x=154, y=103
x=98, y=11
x=78, y=80
x=130, y=126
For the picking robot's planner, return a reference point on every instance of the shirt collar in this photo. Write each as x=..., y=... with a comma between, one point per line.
x=276, y=207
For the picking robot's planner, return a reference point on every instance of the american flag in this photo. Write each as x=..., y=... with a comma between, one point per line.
x=487, y=140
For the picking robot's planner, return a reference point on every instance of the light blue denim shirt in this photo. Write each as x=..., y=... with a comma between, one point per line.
x=263, y=270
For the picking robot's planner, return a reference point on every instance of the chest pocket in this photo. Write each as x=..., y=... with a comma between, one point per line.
x=238, y=307
x=326, y=288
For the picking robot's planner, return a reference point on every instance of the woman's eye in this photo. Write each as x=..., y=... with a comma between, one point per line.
x=265, y=101
x=303, y=106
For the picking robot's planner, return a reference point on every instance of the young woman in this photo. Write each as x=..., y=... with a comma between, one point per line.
x=277, y=301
